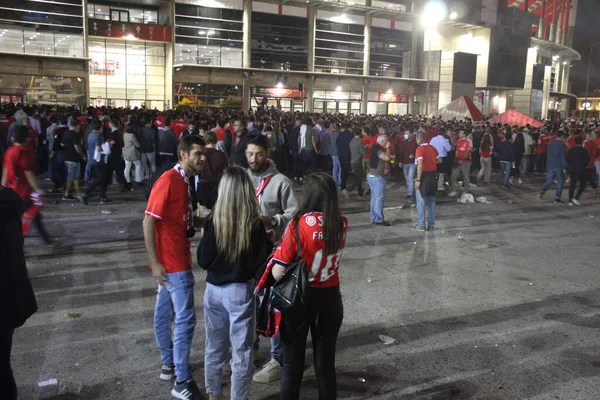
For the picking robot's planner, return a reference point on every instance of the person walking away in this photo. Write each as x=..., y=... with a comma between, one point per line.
x=294, y=140
x=322, y=239
x=277, y=201
x=406, y=158
x=527, y=162
x=336, y=171
x=147, y=138
x=17, y=300
x=426, y=159
x=323, y=148
x=73, y=156
x=167, y=142
x=442, y=145
x=208, y=181
x=519, y=146
x=168, y=226
x=462, y=163
x=578, y=160
x=18, y=174
x=556, y=162
x=380, y=154
x=233, y=250
x=357, y=151
x=506, y=156
x=59, y=172
x=593, y=153
x=99, y=165
x=308, y=146
x=342, y=144
x=485, y=154
x=49, y=144
x=539, y=153
x=115, y=159
x=131, y=156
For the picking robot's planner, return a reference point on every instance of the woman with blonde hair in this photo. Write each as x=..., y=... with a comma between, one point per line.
x=233, y=249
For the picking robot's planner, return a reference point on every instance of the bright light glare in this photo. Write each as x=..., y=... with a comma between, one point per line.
x=453, y=15
x=339, y=88
x=130, y=37
x=201, y=32
x=434, y=12
x=279, y=85
x=389, y=91
x=211, y=32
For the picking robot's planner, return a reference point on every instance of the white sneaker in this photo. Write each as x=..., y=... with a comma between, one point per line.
x=270, y=372
x=520, y=181
x=576, y=202
x=345, y=193
x=452, y=193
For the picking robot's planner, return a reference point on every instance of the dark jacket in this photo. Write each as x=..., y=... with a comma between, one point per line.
x=578, y=159
x=147, y=137
x=343, y=145
x=506, y=151
x=406, y=151
x=249, y=266
x=556, y=155
x=167, y=142
x=237, y=154
x=216, y=162
x=17, y=301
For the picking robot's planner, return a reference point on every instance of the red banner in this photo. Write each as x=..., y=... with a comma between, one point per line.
x=393, y=97
x=281, y=92
x=125, y=30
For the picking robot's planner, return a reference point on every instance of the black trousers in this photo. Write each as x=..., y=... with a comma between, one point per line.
x=8, y=388
x=297, y=162
x=100, y=180
x=590, y=176
x=345, y=171
x=324, y=318
x=577, y=176
x=325, y=163
x=116, y=164
x=207, y=193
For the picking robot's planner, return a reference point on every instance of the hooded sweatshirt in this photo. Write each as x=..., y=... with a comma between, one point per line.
x=277, y=199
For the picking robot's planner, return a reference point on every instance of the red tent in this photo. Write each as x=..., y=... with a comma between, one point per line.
x=461, y=108
x=513, y=117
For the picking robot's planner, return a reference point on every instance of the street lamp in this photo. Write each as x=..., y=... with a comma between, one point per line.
x=587, y=81
x=434, y=12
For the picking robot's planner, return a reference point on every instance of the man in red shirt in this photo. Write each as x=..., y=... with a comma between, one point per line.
x=168, y=225
x=462, y=163
x=540, y=152
x=427, y=159
x=592, y=148
x=178, y=126
x=366, y=141
x=18, y=174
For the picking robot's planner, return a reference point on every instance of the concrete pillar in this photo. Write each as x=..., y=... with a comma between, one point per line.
x=367, y=41
x=558, y=77
x=85, y=50
x=410, y=98
x=310, y=89
x=312, y=24
x=566, y=75
x=546, y=93
x=552, y=33
x=247, y=26
x=363, y=96
x=170, y=56
x=559, y=27
x=246, y=102
x=540, y=29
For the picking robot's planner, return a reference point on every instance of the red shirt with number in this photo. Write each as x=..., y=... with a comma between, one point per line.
x=17, y=160
x=322, y=269
x=463, y=148
x=168, y=205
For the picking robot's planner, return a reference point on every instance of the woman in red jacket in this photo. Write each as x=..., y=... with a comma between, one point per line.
x=323, y=238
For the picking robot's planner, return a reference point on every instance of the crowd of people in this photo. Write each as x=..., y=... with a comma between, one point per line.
x=245, y=169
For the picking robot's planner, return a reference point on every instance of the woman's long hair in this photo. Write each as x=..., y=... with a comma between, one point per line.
x=235, y=213
x=319, y=194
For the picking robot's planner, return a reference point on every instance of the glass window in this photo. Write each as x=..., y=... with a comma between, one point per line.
x=205, y=95
x=35, y=89
x=151, y=17
x=388, y=47
x=101, y=12
x=136, y=15
x=29, y=41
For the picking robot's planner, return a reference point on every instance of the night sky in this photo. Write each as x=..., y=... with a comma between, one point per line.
x=587, y=32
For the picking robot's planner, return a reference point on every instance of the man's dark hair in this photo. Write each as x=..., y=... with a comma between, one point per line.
x=357, y=132
x=20, y=134
x=326, y=124
x=73, y=124
x=508, y=137
x=578, y=140
x=187, y=142
x=64, y=119
x=96, y=124
x=53, y=119
x=115, y=122
x=260, y=141
x=210, y=137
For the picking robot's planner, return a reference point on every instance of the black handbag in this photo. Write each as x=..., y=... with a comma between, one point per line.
x=290, y=294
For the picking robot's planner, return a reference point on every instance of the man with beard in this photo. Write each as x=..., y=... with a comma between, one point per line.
x=168, y=226
x=275, y=194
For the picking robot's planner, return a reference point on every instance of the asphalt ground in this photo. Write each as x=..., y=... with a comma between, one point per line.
x=502, y=301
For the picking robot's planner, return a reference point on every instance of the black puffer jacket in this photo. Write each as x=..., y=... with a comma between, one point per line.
x=17, y=301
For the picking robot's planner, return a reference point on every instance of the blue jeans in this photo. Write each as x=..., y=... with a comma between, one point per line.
x=276, y=347
x=229, y=315
x=550, y=175
x=422, y=203
x=377, y=184
x=175, y=302
x=409, y=176
x=87, y=175
x=504, y=174
x=597, y=165
x=337, y=171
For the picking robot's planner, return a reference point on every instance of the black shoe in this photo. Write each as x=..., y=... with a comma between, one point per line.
x=105, y=201
x=83, y=199
x=125, y=189
x=187, y=390
x=429, y=228
x=140, y=184
x=383, y=223
x=418, y=228
x=69, y=198
x=56, y=190
x=167, y=373
x=558, y=201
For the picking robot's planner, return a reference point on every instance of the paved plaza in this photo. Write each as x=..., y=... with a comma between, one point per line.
x=502, y=301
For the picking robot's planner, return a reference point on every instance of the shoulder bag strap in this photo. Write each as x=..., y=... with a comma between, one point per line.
x=299, y=255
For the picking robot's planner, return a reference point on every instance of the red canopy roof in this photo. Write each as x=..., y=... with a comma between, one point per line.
x=459, y=109
x=514, y=117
